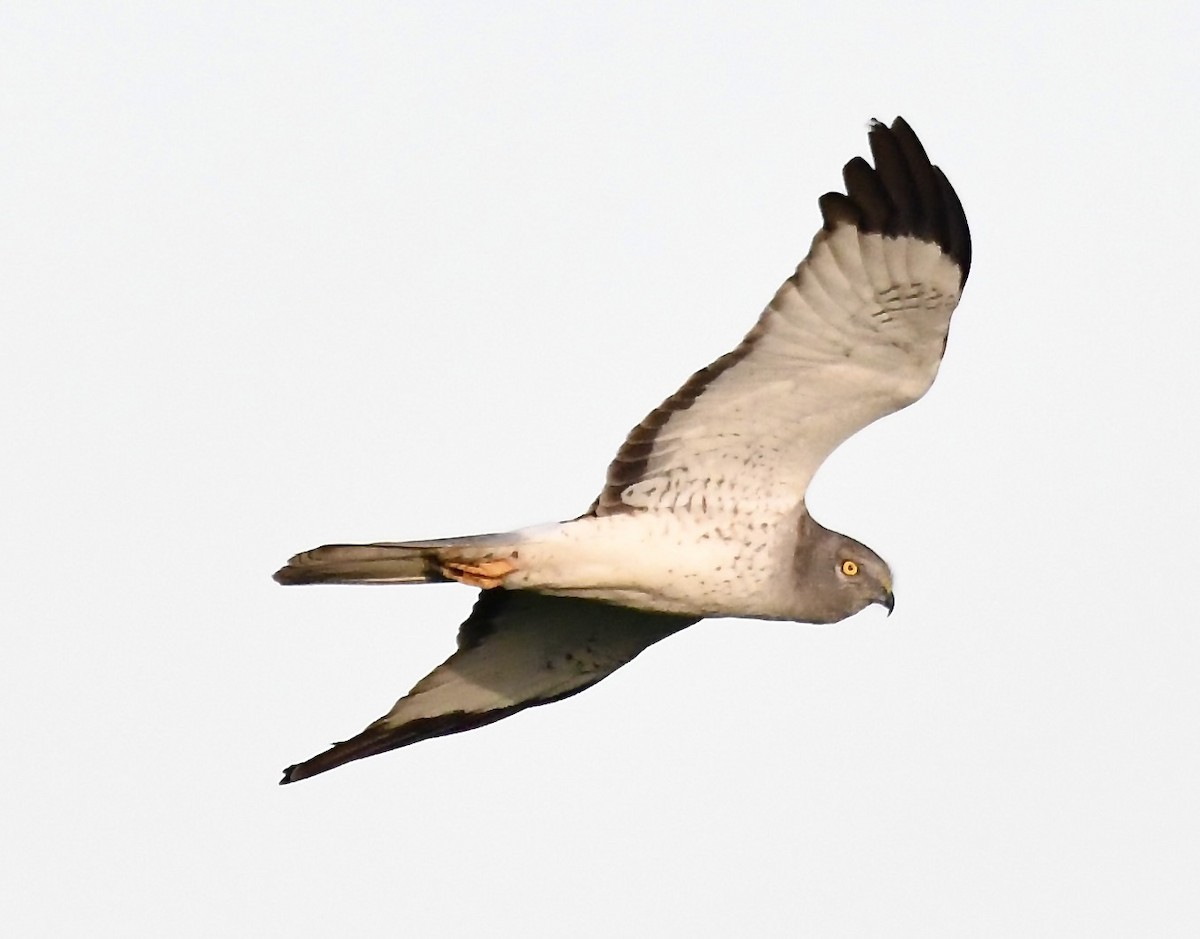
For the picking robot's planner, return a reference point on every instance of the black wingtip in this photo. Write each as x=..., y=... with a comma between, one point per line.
x=902, y=194
x=314, y=766
x=380, y=737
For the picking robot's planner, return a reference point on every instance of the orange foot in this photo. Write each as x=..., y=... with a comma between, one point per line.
x=484, y=574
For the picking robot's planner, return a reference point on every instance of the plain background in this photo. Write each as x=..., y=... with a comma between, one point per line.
x=278, y=274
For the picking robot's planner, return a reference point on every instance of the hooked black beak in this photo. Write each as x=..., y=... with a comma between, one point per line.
x=888, y=602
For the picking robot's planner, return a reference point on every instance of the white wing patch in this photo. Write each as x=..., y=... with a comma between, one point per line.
x=857, y=334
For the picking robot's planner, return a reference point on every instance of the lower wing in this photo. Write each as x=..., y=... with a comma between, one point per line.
x=516, y=650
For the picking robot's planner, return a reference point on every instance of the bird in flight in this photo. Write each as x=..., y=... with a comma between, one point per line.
x=702, y=513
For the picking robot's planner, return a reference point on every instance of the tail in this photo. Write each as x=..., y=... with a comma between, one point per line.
x=478, y=560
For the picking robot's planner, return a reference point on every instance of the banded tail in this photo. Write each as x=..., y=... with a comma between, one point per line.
x=478, y=560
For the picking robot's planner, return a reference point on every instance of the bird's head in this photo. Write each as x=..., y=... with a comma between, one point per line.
x=839, y=576
x=863, y=577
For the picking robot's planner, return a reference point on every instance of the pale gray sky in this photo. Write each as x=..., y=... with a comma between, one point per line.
x=281, y=274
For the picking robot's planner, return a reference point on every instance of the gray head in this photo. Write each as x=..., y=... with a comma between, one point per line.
x=837, y=576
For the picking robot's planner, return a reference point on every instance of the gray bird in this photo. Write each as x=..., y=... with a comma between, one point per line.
x=702, y=513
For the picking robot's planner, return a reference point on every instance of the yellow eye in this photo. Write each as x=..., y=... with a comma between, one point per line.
x=849, y=568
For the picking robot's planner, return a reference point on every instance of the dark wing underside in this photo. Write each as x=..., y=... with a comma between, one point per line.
x=516, y=650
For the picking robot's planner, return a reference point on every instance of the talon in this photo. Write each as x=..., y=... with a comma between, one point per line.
x=483, y=574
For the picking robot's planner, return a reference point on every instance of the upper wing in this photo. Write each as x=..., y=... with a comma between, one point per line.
x=856, y=333
x=517, y=649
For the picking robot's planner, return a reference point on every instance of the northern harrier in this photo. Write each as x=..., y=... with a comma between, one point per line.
x=702, y=512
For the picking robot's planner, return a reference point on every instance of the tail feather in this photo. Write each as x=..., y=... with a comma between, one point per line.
x=362, y=564
x=416, y=562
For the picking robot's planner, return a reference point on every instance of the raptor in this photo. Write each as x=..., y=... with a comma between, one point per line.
x=703, y=510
